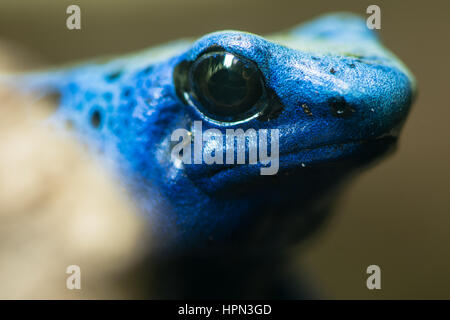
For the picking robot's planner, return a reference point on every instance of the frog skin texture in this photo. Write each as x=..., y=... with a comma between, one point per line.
x=336, y=95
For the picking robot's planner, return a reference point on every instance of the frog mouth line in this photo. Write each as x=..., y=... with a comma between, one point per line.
x=360, y=151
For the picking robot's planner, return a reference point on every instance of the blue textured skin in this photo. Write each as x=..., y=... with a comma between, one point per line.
x=334, y=58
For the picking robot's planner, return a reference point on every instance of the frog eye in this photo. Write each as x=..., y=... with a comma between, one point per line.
x=225, y=87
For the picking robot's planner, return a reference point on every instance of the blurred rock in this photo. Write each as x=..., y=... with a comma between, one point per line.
x=58, y=208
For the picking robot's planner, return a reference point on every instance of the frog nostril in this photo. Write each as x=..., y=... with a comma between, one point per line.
x=340, y=107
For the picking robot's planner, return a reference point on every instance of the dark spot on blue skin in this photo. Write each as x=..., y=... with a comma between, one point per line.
x=80, y=105
x=332, y=71
x=113, y=76
x=306, y=109
x=88, y=96
x=340, y=107
x=107, y=96
x=132, y=104
x=315, y=58
x=127, y=92
x=73, y=88
x=96, y=118
x=351, y=65
x=148, y=70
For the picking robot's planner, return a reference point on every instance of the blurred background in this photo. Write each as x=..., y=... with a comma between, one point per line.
x=396, y=215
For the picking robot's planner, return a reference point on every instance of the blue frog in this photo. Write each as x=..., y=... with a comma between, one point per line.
x=337, y=97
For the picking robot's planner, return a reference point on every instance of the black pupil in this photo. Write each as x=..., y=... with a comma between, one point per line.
x=227, y=86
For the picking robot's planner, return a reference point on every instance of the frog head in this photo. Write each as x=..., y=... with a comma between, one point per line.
x=334, y=95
